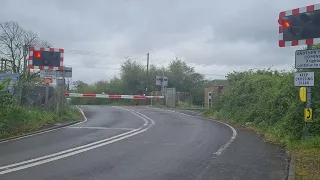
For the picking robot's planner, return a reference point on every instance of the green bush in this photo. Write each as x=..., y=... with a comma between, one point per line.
x=268, y=100
x=16, y=120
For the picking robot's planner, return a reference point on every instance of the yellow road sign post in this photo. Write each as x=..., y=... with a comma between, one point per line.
x=307, y=114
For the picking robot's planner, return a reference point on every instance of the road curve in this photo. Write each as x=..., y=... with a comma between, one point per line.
x=138, y=143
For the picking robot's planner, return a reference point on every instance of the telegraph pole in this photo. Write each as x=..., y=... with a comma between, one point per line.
x=147, y=79
x=147, y=74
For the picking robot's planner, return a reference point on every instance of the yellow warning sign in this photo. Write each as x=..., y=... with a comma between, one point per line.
x=307, y=114
x=303, y=94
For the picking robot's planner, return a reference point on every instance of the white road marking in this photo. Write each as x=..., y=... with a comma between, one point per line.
x=77, y=150
x=84, y=116
x=30, y=135
x=225, y=146
x=102, y=128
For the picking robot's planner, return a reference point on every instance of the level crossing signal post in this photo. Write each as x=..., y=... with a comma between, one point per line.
x=50, y=62
x=301, y=26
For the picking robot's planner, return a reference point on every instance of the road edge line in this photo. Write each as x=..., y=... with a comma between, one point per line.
x=46, y=130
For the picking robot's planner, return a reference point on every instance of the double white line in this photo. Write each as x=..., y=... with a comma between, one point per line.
x=70, y=152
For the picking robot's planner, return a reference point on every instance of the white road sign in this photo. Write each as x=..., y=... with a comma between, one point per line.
x=13, y=76
x=161, y=79
x=304, y=79
x=67, y=72
x=48, y=74
x=307, y=59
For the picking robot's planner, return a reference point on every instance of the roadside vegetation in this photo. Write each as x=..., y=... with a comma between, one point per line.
x=267, y=102
x=17, y=120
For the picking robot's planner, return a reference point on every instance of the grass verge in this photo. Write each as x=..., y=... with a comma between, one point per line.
x=306, y=151
x=20, y=120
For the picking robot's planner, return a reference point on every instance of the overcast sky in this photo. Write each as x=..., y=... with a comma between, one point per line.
x=215, y=37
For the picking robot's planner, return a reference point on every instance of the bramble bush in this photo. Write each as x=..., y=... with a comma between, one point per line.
x=268, y=99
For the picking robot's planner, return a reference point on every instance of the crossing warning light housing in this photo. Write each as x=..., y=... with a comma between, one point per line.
x=300, y=26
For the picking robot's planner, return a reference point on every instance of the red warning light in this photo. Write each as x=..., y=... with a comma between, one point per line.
x=284, y=23
x=37, y=54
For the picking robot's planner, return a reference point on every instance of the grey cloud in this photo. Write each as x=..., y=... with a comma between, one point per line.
x=224, y=33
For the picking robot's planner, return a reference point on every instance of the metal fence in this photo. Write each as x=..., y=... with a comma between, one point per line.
x=36, y=95
x=157, y=101
x=39, y=96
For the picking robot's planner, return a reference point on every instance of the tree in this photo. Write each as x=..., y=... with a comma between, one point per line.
x=185, y=79
x=133, y=76
x=14, y=44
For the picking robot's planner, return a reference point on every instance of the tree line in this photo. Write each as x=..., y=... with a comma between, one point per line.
x=134, y=78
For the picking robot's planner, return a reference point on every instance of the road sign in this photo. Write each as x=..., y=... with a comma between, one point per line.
x=158, y=80
x=14, y=78
x=47, y=80
x=48, y=74
x=307, y=59
x=303, y=94
x=304, y=79
x=161, y=80
x=307, y=114
x=67, y=72
x=60, y=81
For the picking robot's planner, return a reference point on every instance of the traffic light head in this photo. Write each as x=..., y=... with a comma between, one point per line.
x=46, y=58
x=299, y=26
x=220, y=88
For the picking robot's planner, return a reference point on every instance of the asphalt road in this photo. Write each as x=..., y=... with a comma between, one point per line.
x=140, y=143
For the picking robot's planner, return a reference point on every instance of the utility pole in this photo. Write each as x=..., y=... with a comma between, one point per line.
x=147, y=74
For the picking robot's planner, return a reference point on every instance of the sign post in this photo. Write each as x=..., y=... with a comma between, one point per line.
x=162, y=81
x=300, y=26
x=50, y=62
